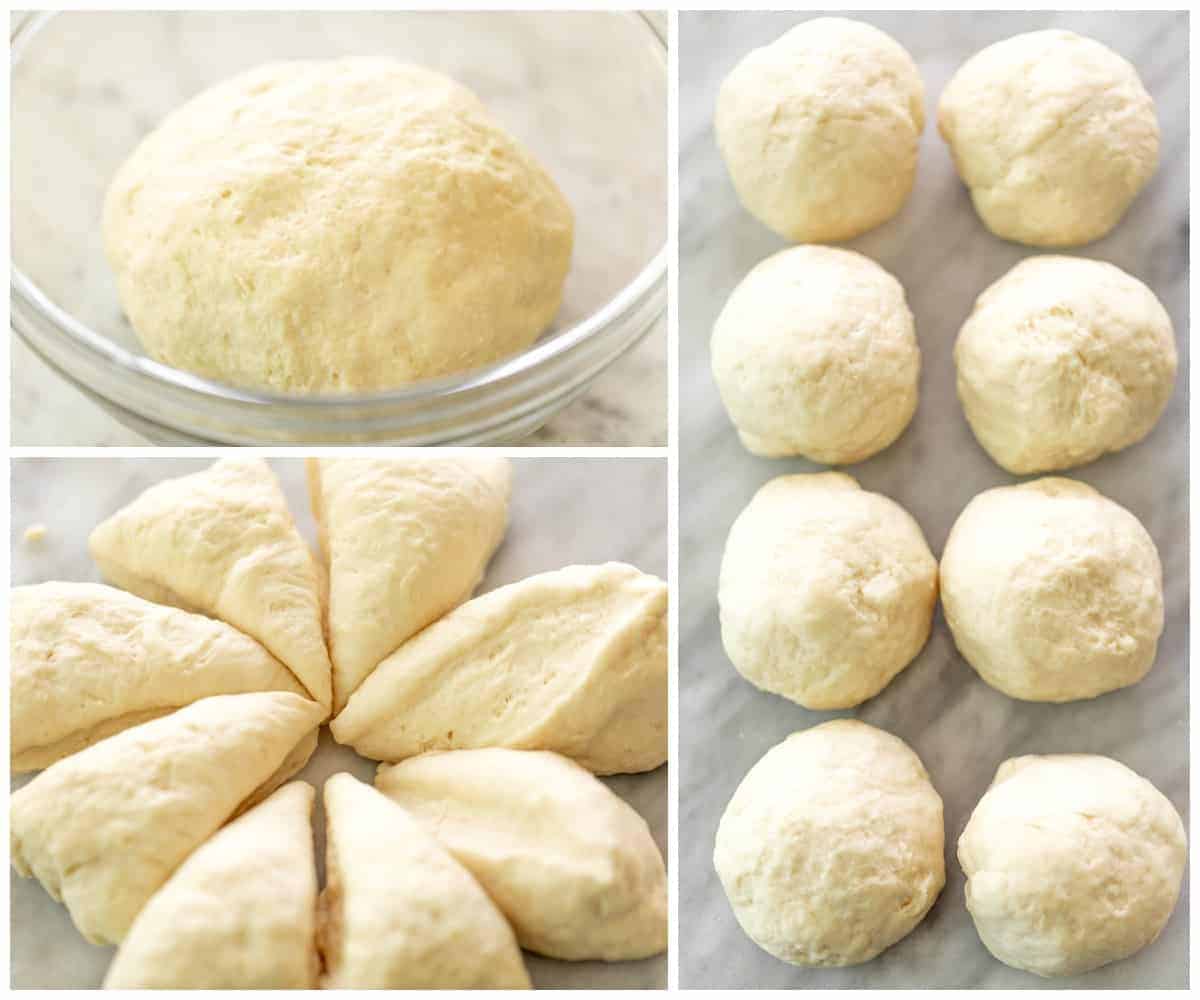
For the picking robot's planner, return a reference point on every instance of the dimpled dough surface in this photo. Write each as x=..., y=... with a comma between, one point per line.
x=335, y=226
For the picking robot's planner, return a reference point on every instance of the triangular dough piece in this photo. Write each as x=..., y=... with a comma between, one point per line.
x=405, y=540
x=400, y=913
x=222, y=542
x=571, y=865
x=103, y=829
x=89, y=661
x=573, y=661
x=239, y=913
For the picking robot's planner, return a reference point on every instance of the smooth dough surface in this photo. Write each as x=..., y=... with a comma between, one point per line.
x=1072, y=861
x=87, y=661
x=826, y=590
x=222, y=542
x=573, y=661
x=573, y=867
x=103, y=829
x=405, y=541
x=1052, y=591
x=815, y=354
x=830, y=850
x=1053, y=134
x=239, y=913
x=1063, y=360
x=819, y=129
x=332, y=226
x=398, y=912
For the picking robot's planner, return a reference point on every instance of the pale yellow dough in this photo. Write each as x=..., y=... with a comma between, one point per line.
x=405, y=540
x=239, y=913
x=573, y=661
x=398, y=912
x=345, y=225
x=573, y=868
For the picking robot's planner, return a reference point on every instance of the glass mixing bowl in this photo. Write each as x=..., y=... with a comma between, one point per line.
x=585, y=91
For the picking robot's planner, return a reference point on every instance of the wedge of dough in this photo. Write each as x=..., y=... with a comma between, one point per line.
x=571, y=865
x=222, y=542
x=239, y=913
x=405, y=541
x=103, y=829
x=573, y=661
x=397, y=911
x=88, y=661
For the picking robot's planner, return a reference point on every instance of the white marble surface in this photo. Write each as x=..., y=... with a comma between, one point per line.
x=563, y=511
x=961, y=727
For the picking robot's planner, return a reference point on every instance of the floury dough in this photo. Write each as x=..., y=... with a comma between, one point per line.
x=1052, y=591
x=815, y=354
x=1053, y=134
x=1072, y=861
x=1063, y=360
x=819, y=129
x=830, y=850
x=826, y=591
x=335, y=226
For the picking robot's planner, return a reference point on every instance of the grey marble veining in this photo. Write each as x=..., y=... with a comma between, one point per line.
x=563, y=511
x=961, y=727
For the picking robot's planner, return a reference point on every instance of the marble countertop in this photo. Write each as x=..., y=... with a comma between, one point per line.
x=961, y=728
x=563, y=511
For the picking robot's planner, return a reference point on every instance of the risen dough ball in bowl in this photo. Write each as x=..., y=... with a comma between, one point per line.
x=819, y=129
x=1072, y=861
x=815, y=354
x=1064, y=360
x=1052, y=591
x=335, y=226
x=826, y=591
x=1053, y=134
x=831, y=848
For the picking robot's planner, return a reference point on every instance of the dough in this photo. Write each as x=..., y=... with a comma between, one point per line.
x=406, y=540
x=572, y=867
x=573, y=661
x=239, y=913
x=335, y=226
x=1072, y=862
x=826, y=592
x=1053, y=134
x=1063, y=360
x=397, y=911
x=815, y=354
x=222, y=542
x=87, y=661
x=1052, y=591
x=830, y=850
x=819, y=129
x=103, y=829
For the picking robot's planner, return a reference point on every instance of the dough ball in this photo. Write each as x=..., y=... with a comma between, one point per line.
x=1052, y=591
x=1063, y=360
x=815, y=354
x=336, y=226
x=1053, y=134
x=1072, y=862
x=819, y=129
x=830, y=850
x=826, y=591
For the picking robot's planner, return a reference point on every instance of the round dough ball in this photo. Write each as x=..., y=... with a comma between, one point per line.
x=1053, y=134
x=815, y=354
x=827, y=591
x=1063, y=360
x=1072, y=861
x=819, y=129
x=335, y=226
x=831, y=849
x=1052, y=591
